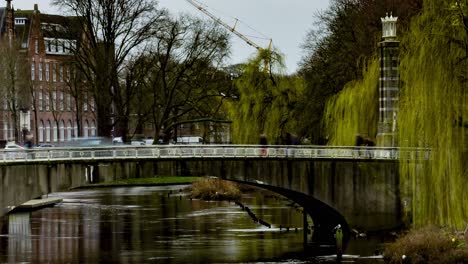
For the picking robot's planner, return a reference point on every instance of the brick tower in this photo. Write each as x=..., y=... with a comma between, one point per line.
x=388, y=84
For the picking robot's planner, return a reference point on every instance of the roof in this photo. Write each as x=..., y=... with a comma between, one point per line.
x=52, y=26
x=55, y=26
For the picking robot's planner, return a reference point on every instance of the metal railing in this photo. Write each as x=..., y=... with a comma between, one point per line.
x=209, y=151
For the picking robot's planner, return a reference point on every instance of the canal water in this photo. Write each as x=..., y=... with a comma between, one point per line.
x=162, y=225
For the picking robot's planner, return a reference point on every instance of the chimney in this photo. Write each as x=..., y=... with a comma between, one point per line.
x=10, y=21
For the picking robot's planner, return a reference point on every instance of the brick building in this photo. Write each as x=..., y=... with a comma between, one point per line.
x=51, y=115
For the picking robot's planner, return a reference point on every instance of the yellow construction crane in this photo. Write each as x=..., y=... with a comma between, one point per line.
x=232, y=29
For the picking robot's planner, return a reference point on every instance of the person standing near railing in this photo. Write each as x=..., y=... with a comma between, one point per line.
x=359, y=142
x=369, y=143
x=263, y=142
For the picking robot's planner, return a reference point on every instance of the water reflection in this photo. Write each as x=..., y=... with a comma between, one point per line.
x=147, y=225
x=19, y=230
x=160, y=225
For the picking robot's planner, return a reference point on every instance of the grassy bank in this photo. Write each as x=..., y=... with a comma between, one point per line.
x=429, y=245
x=146, y=182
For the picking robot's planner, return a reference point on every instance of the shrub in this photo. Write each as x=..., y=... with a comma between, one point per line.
x=215, y=189
x=428, y=245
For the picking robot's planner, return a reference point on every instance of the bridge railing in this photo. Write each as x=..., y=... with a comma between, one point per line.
x=210, y=151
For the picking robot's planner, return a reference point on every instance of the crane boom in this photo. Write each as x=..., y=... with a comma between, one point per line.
x=232, y=29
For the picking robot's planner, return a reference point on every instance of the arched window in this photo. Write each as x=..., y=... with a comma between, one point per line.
x=55, y=132
x=47, y=131
x=75, y=129
x=85, y=130
x=5, y=131
x=12, y=131
x=62, y=131
x=41, y=131
x=69, y=130
x=93, y=128
x=41, y=100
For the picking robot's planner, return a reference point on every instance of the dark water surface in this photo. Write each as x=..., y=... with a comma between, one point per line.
x=160, y=225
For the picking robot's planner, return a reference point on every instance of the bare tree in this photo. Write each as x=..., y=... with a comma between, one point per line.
x=185, y=81
x=114, y=31
x=15, y=80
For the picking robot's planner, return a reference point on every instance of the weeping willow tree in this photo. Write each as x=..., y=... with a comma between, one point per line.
x=434, y=114
x=267, y=100
x=354, y=109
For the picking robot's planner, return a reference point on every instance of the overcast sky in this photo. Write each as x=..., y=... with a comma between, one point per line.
x=286, y=22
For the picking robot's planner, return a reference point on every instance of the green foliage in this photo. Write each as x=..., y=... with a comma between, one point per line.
x=344, y=34
x=266, y=100
x=434, y=114
x=354, y=109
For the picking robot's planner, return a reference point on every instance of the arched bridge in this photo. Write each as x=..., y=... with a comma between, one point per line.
x=335, y=185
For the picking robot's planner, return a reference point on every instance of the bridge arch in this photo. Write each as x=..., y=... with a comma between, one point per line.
x=325, y=218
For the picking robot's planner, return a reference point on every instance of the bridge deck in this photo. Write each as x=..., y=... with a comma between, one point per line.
x=210, y=151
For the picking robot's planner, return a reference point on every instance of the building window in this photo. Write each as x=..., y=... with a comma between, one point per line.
x=85, y=103
x=41, y=131
x=54, y=101
x=75, y=129
x=61, y=73
x=62, y=131
x=69, y=130
x=12, y=131
x=33, y=71
x=5, y=130
x=85, y=130
x=40, y=100
x=55, y=132
x=68, y=74
x=61, y=100
x=93, y=128
x=68, y=102
x=91, y=102
x=36, y=46
x=47, y=131
x=47, y=101
x=47, y=71
x=54, y=72
x=40, y=71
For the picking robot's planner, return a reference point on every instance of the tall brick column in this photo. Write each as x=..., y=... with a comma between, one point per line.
x=389, y=81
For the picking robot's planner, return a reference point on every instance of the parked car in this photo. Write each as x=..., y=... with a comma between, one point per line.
x=14, y=151
x=90, y=142
x=191, y=140
x=45, y=145
x=117, y=141
x=13, y=146
x=138, y=143
x=149, y=141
